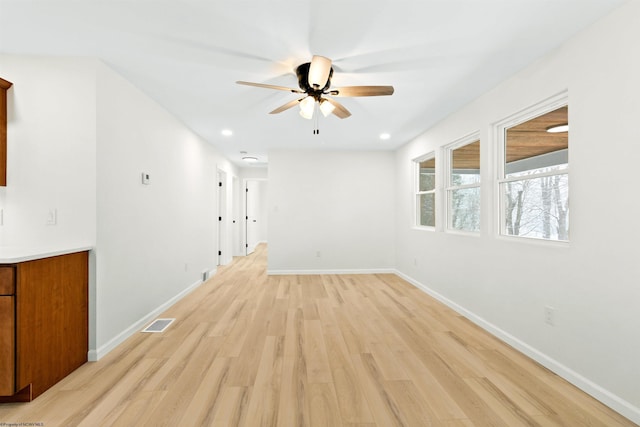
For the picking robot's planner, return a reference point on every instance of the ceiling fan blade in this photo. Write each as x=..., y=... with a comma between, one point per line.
x=339, y=109
x=319, y=71
x=362, y=91
x=288, y=89
x=286, y=106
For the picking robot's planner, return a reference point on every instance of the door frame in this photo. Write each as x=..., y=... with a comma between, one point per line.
x=245, y=243
x=222, y=220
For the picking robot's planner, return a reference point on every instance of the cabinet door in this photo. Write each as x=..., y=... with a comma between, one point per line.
x=52, y=326
x=7, y=280
x=7, y=346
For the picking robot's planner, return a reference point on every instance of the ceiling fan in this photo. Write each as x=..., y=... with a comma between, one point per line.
x=314, y=79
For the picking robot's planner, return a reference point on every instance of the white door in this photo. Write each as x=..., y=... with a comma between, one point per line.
x=252, y=206
x=221, y=220
x=236, y=221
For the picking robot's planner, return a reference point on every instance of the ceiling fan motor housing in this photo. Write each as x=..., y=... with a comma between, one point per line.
x=303, y=81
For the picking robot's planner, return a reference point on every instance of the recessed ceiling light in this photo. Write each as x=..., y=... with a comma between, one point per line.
x=384, y=136
x=250, y=159
x=227, y=132
x=558, y=128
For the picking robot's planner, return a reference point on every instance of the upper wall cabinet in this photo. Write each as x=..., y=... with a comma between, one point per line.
x=4, y=86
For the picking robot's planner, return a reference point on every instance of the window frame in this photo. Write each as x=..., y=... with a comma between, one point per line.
x=449, y=188
x=500, y=131
x=417, y=192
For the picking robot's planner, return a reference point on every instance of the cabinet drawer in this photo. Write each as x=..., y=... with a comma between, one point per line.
x=7, y=280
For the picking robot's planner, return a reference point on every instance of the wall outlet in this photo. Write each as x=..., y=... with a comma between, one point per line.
x=549, y=315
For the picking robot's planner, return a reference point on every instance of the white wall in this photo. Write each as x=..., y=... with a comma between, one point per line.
x=592, y=282
x=254, y=173
x=263, y=208
x=338, y=205
x=154, y=241
x=51, y=150
x=79, y=138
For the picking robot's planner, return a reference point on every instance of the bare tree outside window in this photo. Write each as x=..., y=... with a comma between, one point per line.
x=535, y=186
x=463, y=191
x=426, y=194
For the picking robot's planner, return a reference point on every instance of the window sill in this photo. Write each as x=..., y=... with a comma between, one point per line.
x=534, y=241
x=455, y=232
x=423, y=228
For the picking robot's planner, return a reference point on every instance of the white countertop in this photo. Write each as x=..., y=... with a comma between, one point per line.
x=14, y=254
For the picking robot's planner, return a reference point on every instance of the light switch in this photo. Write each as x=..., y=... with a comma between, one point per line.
x=146, y=178
x=52, y=217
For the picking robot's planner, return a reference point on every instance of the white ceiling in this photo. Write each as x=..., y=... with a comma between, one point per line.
x=187, y=55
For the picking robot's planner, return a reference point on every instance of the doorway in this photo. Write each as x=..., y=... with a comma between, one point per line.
x=255, y=231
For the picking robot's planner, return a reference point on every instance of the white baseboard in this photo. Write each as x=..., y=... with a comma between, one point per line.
x=95, y=355
x=610, y=399
x=345, y=271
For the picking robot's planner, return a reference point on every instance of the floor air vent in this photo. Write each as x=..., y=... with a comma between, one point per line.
x=158, y=325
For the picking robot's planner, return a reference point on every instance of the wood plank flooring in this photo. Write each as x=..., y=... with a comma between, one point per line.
x=351, y=350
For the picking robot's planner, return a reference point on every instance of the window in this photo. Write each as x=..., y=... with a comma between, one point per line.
x=534, y=183
x=463, y=186
x=426, y=191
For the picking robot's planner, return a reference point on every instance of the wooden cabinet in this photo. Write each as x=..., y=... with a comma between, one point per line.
x=43, y=323
x=4, y=87
x=7, y=330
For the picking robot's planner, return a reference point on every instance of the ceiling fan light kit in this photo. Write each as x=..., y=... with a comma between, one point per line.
x=307, y=105
x=314, y=80
x=326, y=107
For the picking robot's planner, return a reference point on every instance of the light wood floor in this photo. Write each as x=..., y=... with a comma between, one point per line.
x=353, y=350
